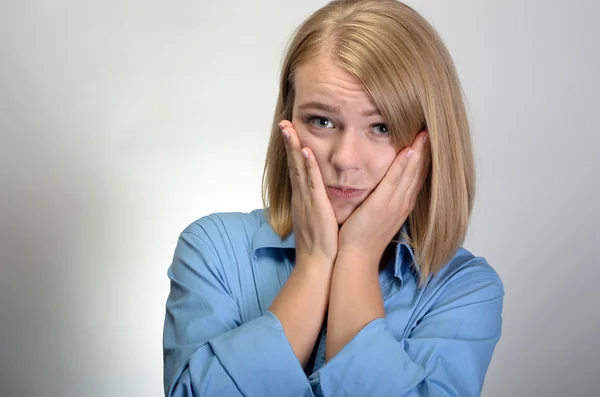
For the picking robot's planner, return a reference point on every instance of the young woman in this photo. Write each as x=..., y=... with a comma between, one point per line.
x=352, y=280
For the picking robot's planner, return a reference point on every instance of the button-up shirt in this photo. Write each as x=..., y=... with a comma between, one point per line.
x=220, y=339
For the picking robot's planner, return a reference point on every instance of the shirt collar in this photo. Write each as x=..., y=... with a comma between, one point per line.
x=265, y=237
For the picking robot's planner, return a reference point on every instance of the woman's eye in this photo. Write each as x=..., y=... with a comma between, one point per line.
x=320, y=122
x=325, y=123
x=383, y=129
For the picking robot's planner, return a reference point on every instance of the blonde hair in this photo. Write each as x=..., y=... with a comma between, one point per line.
x=409, y=74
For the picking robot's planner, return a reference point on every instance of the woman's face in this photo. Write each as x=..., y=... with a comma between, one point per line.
x=335, y=117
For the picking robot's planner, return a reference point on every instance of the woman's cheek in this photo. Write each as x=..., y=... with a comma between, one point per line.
x=306, y=140
x=384, y=161
x=303, y=135
x=319, y=148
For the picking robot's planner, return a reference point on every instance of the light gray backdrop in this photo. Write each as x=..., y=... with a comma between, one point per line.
x=123, y=121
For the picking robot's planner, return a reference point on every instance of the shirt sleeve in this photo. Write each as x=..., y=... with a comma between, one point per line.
x=446, y=354
x=207, y=350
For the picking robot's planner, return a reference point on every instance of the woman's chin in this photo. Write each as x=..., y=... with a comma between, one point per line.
x=342, y=214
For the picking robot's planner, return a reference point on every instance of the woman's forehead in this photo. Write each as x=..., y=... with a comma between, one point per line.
x=325, y=71
x=321, y=83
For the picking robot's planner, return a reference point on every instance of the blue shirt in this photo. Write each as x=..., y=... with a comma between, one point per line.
x=220, y=339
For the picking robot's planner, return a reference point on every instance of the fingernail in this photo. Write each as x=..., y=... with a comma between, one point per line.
x=281, y=126
x=410, y=153
x=286, y=134
x=424, y=139
x=305, y=153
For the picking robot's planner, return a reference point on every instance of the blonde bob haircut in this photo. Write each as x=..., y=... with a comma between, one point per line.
x=409, y=74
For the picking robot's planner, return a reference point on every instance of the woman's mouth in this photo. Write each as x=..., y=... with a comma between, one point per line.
x=344, y=192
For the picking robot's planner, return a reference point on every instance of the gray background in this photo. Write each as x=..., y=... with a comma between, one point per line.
x=123, y=121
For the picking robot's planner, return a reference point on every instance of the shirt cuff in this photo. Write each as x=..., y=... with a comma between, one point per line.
x=372, y=362
x=260, y=359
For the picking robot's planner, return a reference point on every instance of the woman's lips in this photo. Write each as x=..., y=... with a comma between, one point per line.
x=344, y=193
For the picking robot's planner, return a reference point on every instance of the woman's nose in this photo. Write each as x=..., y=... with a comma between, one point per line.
x=345, y=152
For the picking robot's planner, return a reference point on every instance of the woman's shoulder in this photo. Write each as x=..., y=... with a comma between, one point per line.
x=466, y=267
x=231, y=226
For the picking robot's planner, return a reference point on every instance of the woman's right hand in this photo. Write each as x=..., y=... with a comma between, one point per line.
x=314, y=222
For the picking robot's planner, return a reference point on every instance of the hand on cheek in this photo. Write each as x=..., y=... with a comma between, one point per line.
x=374, y=223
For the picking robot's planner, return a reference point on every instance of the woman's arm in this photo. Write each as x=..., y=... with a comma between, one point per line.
x=302, y=302
x=447, y=353
x=355, y=301
x=207, y=349
x=301, y=305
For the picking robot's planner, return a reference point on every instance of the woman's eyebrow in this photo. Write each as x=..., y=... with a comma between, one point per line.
x=334, y=109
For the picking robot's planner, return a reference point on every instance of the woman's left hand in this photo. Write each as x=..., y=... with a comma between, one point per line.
x=371, y=227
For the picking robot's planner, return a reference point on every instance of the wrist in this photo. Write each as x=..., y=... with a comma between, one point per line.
x=314, y=264
x=314, y=271
x=357, y=259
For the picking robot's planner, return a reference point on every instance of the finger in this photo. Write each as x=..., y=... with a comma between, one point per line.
x=314, y=178
x=422, y=144
x=417, y=154
x=414, y=188
x=421, y=141
x=392, y=177
x=415, y=172
x=295, y=159
x=424, y=165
